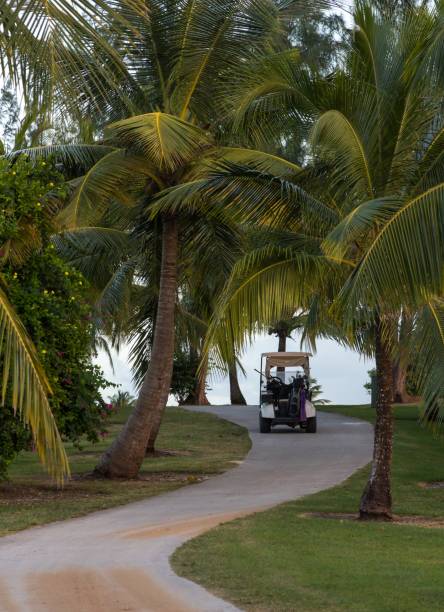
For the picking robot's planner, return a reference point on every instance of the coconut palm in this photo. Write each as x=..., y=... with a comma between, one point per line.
x=359, y=212
x=173, y=62
x=122, y=400
x=180, y=59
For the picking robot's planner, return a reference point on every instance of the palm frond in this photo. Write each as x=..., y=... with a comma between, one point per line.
x=264, y=162
x=249, y=196
x=274, y=96
x=79, y=156
x=213, y=41
x=95, y=251
x=49, y=47
x=264, y=284
x=359, y=223
x=405, y=260
x=114, y=301
x=427, y=356
x=164, y=140
x=26, y=387
x=339, y=139
x=116, y=176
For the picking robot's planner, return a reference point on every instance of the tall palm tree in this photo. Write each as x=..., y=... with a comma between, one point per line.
x=359, y=212
x=180, y=59
x=170, y=65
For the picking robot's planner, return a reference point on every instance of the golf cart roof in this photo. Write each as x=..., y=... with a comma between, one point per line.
x=287, y=359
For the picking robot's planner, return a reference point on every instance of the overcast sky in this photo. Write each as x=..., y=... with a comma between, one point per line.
x=342, y=373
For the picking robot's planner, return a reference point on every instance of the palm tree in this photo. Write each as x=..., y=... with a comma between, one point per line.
x=178, y=75
x=171, y=63
x=122, y=400
x=359, y=212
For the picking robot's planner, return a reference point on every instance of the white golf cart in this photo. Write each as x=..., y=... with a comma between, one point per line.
x=285, y=396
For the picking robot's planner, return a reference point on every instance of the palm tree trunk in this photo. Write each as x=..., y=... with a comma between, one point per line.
x=198, y=397
x=125, y=456
x=154, y=432
x=282, y=346
x=376, y=501
x=236, y=396
x=200, y=389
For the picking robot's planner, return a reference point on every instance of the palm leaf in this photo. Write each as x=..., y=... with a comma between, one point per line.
x=427, y=356
x=249, y=196
x=273, y=96
x=265, y=162
x=359, y=223
x=164, y=140
x=263, y=284
x=336, y=136
x=405, y=260
x=116, y=176
x=26, y=387
x=77, y=156
x=47, y=46
x=213, y=40
x=95, y=251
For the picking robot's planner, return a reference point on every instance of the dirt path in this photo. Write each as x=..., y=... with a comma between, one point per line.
x=117, y=560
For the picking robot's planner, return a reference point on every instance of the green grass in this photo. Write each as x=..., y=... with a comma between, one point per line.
x=283, y=559
x=202, y=445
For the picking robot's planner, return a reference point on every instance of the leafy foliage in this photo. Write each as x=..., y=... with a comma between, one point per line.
x=185, y=367
x=122, y=401
x=50, y=300
x=316, y=393
x=370, y=194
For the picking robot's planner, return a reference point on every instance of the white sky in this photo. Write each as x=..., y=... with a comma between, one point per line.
x=342, y=373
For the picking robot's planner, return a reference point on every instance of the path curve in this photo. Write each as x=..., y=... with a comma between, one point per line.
x=117, y=559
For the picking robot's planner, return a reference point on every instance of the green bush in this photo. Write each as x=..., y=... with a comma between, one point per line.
x=52, y=300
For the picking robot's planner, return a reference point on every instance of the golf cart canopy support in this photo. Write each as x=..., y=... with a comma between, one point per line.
x=286, y=360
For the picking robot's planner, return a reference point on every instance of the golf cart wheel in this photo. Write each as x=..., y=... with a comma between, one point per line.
x=264, y=424
x=311, y=425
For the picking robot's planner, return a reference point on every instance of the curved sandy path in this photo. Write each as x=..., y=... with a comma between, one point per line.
x=117, y=559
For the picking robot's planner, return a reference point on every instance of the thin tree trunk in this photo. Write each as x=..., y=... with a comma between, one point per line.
x=201, y=380
x=236, y=396
x=125, y=456
x=198, y=397
x=154, y=431
x=376, y=501
x=282, y=345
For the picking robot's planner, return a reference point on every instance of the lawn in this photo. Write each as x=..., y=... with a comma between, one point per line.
x=199, y=445
x=285, y=559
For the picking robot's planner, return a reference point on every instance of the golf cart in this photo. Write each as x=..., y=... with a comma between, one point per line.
x=285, y=396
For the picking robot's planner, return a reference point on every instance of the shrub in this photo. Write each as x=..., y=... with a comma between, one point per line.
x=52, y=300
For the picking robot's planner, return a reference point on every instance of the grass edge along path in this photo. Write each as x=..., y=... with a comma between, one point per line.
x=285, y=559
x=198, y=445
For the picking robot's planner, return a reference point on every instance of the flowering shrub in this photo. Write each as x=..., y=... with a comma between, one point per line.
x=52, y=300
